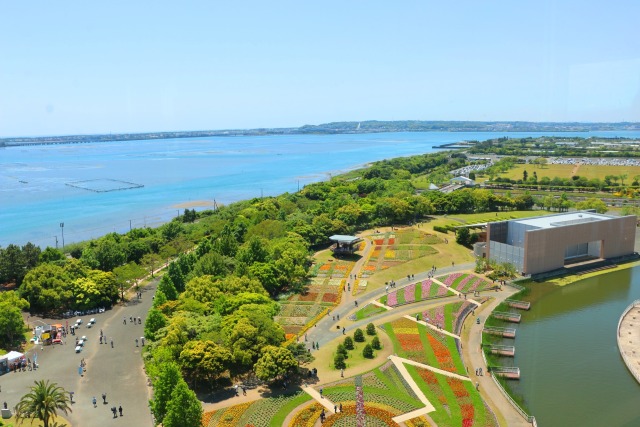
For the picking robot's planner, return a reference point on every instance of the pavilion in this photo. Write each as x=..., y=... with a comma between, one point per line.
x=344, y=244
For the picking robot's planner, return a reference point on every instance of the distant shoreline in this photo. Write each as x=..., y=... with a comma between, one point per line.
x=346, y=128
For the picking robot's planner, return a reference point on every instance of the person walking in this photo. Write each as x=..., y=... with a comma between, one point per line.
x=115, y=412
x=136, y=342
x=111, y=342
x=120, y=410
x=104, y=398
x=124, y=320
x=95, y=402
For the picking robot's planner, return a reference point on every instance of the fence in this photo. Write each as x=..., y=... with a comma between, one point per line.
x=627, y=362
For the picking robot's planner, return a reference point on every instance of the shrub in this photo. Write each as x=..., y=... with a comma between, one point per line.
x=338, y=361
x=440, y=229
x=342, y=350
x=348, y=343
x=358, y=335
x=367, y=352
x=375, y=343
x=371, y=329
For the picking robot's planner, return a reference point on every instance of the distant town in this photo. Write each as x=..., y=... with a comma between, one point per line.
x=370, y=126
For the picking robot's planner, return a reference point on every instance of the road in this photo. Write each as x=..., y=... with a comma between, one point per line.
x=116, y=371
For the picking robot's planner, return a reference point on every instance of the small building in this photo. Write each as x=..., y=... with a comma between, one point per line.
x=463, y=180
x=545, y=243
x=345, y=244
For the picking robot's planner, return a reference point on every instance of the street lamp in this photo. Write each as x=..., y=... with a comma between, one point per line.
x=62, y=228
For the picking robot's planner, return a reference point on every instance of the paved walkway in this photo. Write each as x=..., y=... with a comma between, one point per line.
x=629, y=340
x=328, y=405
x=428, y=407
x=432, y=368
x=116, y=371
x=429, y=325
x=472, y=357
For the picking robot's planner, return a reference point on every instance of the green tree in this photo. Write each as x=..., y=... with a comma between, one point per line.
x=300, y=352
x=463, y=236
x=593, y=203
x=375, y=343
x=11, y=322
x=348, y=343
x=358, y=335
x=274, y=363
x=338, y=361
x=52, y=255
x=203, y=360
x=43, y=403
x=167, y=380
x=154, y=322
x=371, y=329
x=167, y=288
x=159, y=299
x=525, y=175
x=342, y=350
x=367, y=351
x=184, y=409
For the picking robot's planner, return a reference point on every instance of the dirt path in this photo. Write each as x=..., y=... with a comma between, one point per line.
x=575, y=169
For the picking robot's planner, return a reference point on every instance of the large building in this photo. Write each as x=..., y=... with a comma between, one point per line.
x=545, y=243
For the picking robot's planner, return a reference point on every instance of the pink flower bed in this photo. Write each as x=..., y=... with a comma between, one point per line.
x=442, y=291
x=392, y=299
x=435, y=316
x=425, y=288
x=464, y=282
x=410, y=293
x=451, y=278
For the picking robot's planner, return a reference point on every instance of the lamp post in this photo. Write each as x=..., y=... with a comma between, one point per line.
x=62, y=230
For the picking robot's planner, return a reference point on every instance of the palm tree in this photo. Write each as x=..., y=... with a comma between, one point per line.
x=43, y=402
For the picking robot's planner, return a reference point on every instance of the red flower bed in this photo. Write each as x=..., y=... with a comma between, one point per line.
x=309, y=296
x=329, y=297
x=443, y=356
x=392, y=240
x=379, y=242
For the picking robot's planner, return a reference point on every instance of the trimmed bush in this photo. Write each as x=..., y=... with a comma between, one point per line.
x=440, y=229
x=342, y=350
x=348, y=343
x=367, y=352
x=358, y=335
x=338, y=361
x=375, y=343
x=371, y=329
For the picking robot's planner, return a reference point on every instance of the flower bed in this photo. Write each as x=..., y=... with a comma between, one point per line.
x=232, y=415
x=392, y=299
x=410, y=293
x=329, y=297
x=407, y=336
x=307, y=417
x=310, y=296
x=463, y=282
x=449, y=279
x=360, y=414
x=434, y=316
x=389, y=254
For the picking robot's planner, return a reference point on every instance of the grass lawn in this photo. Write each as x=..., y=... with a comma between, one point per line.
x=369, y=310
x=566, y=171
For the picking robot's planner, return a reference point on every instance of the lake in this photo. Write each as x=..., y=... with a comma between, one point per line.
x=177, y=173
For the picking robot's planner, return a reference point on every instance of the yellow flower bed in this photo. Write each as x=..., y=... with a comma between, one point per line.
x=390, y=254
x=232, y=415
x=343, y=283
x=307, y=417
x=307, y=327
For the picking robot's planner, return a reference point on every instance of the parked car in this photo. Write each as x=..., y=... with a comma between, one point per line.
x=92, y=321
x=79, y=321
x=81, y=343
x=78, y=349
x=101, y=310
x=478, y=321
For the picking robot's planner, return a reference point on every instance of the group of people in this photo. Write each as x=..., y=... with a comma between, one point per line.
x=323, y=415
x=133, y=320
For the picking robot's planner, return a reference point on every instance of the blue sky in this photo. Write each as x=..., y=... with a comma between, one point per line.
x=133, y=66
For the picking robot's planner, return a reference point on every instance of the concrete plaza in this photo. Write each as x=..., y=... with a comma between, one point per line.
x=118, y=372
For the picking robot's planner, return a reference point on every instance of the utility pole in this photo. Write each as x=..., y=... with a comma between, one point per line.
x=62, y=229
x=298, y=185
x=261, y=193
x=129, y=225
x=56, y=237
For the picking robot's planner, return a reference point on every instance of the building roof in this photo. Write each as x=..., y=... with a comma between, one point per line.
x=564, y=219
x=462, y=179
x=344, y=239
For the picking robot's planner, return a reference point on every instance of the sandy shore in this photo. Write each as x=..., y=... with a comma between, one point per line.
x=193, y=204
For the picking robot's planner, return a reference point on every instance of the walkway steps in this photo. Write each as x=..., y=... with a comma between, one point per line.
x=503, y=332
x=511, y=373
x=328, y=405
x=502, y=350
x=509, y=317
x=522, y=305
x=379, y=304
x=429, y=325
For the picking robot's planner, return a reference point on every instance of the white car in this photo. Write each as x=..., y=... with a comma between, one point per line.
x=84, y=338
x=78, y=349
x=92, y=321
x=81, y=343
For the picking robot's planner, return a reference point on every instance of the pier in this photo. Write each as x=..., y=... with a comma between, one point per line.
x=502, y=350
x=503, y=332
x=511, y=373
x=522, y=305
x=509, y=317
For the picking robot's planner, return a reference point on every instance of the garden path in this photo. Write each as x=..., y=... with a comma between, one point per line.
x=429, y=325
x=399, y=364
x=379, y=304
x=329, y=405
x=438, y=282
x=430, y=368
x=473, y=358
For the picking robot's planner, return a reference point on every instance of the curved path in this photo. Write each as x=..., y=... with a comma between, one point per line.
x=629, y=338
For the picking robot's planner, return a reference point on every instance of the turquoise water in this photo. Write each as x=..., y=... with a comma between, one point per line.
x=175, y=171
x=572, y=373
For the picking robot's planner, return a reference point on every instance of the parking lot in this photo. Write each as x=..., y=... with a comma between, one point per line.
x=116, y=371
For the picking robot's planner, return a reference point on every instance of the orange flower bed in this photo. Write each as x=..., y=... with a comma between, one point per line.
x=392, y=240
x=325, y=267
x=341, y=267
x=349, y=410
x=206, y=417
x=369, y=267
x=379, y=242
x=310, y=296
x=329, y=297
x=232, y=415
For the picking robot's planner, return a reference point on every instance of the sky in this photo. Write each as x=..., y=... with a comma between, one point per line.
x=77, y=67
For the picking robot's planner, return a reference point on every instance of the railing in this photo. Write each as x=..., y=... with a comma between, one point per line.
x=523, y=305
x=509, y=317
x=495, y=330
x=627, y=362
x=529, y=418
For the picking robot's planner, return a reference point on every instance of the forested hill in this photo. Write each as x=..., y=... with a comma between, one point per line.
x=369, y=126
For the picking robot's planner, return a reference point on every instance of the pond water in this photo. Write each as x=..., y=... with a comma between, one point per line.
x=572, y=373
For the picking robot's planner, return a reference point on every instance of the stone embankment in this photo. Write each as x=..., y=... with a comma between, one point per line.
x=628, y=337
